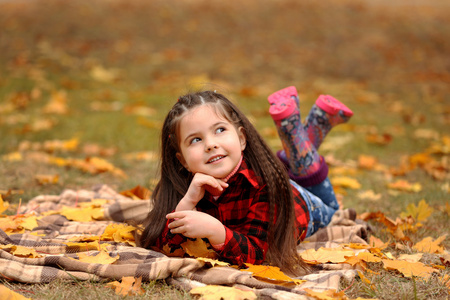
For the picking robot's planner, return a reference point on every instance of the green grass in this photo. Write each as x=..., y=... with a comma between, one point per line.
x=389, y=63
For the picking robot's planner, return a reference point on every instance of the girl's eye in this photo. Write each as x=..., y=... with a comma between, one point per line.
x=195, y=140
x=219, y=130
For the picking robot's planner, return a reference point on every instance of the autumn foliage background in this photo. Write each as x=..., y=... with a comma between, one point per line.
x=85, y=86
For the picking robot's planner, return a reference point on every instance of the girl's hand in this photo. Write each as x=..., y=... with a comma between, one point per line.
x=196, y=224
x=196, y=191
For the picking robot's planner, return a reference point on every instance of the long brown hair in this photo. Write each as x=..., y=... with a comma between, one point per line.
x=175, y=180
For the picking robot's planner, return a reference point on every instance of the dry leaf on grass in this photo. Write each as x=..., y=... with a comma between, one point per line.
x=346, y=182
x=325, y=255
x=217, y=292
x=405, y=186
x=8, y=294
x=129, y=286
x=420, y=212
x=409, y=269
x=429, y=246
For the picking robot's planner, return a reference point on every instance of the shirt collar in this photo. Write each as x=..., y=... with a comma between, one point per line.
x=247, y=173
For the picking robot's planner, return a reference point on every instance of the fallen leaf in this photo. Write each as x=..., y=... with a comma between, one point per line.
x=20, y=251
x=367, y=162
x=216, y=292
x=45, y=179
x=3, y=205
x=13, y=156
x=377, y=243
x=369, y=195
x=102, y=257
x=409, y=269
x=213, y=262
x=137, y=193
x=411, y=257
x=57, y=103
x=379, y=139
x=346, y=182
x=325, y=255
x=198, y=248
x=119, y=233
x=129, y=286
x=405, y=186
x=326, y=295
x=420, y=212
x=270, y=273
x=86, y=214
x=8, y=294
x=427, y=245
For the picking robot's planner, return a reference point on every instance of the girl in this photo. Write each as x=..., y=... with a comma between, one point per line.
x=220, y=181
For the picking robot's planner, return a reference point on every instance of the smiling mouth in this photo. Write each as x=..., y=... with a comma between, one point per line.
x=215, y=159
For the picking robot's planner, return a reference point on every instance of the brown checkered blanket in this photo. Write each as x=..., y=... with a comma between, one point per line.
x=59, y=259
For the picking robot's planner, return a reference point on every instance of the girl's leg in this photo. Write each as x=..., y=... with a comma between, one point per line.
x=320, y=213
x=326, y=113
x=302, y=155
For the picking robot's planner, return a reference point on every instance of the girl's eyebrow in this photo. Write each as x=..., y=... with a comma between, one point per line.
x=212, y=126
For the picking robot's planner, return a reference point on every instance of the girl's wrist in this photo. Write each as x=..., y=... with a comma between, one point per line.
x=218, y=234
x=186, y=204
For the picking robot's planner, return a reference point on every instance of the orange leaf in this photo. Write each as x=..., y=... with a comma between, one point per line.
x=44, y=179
x=409, y=269
x=420, y=212
x=362, y=256
x=326, y=295
x=129, y=286
x=3, y=205
x=8, y=294
x=429, y=246
x=271, y=273
x=346, y=182
x=324, y=255
x=213, y=292
x=137, y=193
x=102, y=257
x=198, y=248
x=377, y=243
x=405, y=186
x=367, y=162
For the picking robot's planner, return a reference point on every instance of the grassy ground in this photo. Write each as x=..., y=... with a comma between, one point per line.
x=106, y=72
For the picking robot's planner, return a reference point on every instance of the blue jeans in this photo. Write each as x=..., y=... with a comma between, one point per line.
x=321, y=202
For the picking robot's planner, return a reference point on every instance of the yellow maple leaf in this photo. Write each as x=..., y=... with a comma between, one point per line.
x=213, y=262
x=102, y=257
x=95, y=245
x=377, y=243
x=405, y=186
x=213, y=292
x=28, y=222
x=326, y=295
x=429, y=246
x=129, y=286
x=325, y=255
x=20, y=251
x=409, y=269
x=410, y=257
x=362, y=256
x=8, y=225
x=3, y=205
x=8, y=294
x=85, y=214
x=420, y=212
x=198, y=248
x=346, y=182
x=271, y=273
x=137, y=193
x=119, y=233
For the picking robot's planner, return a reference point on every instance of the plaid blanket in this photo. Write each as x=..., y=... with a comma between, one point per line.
x=58, y=254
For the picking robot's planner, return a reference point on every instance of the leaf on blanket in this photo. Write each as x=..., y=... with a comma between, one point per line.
x=271, y=274
x=8, y=294
x=84, y=238
x=137, y=193
x=20, y=251
x=198, y=248
x=409, y=269
x=102, y=257
x=95, y=245
x=29, y=222
x=326, y=295
x=215, y=292
x=119, y=233
x=86, y=214
x=213, y=262
x=420, y=212
x=429, y=246
x=179, y=252
x=129, y=286
x=3, y=205
x=325, y=255
x=8, y=225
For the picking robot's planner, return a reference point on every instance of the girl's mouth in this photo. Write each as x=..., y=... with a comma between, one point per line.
x=215, y=159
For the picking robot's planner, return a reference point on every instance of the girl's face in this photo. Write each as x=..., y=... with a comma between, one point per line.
x=209, y=143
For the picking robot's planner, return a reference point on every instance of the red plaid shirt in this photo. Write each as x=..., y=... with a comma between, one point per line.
x=243, y=209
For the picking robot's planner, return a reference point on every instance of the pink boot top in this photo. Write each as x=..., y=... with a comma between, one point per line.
x=332, y=105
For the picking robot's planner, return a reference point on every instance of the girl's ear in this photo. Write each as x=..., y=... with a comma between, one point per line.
x=242, y=139
x=181, y=160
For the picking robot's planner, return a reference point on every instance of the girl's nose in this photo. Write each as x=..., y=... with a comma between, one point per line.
x=211, y=145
